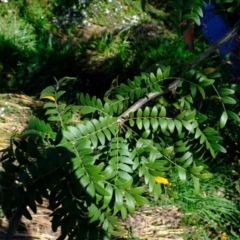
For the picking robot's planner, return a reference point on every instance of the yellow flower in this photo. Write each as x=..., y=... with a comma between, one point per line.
x=161, y=180
x=223, y=236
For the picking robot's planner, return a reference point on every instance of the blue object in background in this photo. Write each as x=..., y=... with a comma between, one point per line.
x=214, y=28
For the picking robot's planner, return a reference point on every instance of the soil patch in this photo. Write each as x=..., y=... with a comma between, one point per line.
x=15, y=110
x=148, y=222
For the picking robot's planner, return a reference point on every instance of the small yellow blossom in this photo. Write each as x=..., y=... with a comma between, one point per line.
x=161, y=180
x=223, y=236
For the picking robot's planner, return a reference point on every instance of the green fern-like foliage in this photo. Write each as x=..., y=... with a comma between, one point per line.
x=181, y=11
x=98, y=168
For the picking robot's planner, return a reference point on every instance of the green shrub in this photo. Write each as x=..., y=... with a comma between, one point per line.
x=99, y=159
x=99, y=165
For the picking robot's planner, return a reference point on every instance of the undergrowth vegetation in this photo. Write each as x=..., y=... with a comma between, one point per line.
x=127, y=120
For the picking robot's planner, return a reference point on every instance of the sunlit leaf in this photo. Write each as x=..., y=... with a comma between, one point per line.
x=196, y=184
x=146, y=133
x=146, y=123
x=202, y=92
x=181, y=115
x=226, y=92
x=140, y=200
x=101, y=190
x=163, y=112
x=233, y=116
x=154, y=112
x=196, y=170
x=171, y=125
x=163, y=124
x=167, y=151
x=59, y=94
x=228, y=100
x=159, y=74
x=154, y=124
x=188, y=126
x=139, y=123
x=49, y=97
x=118, y=198
x=203, y=175
x=130, y=202
x=209, y=70
x=223, y=119
x=172, y=194
x=182, y=174
x=186, y=156
x=206, y=82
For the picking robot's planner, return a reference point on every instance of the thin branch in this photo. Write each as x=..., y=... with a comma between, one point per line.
x=13, y=224
x=173, y=86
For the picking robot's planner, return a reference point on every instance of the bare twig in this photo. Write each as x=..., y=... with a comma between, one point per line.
x=14, y=222
x=173, y=85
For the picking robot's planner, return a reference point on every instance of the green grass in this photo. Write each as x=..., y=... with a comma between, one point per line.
x=41, y=41
x=216, y=209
